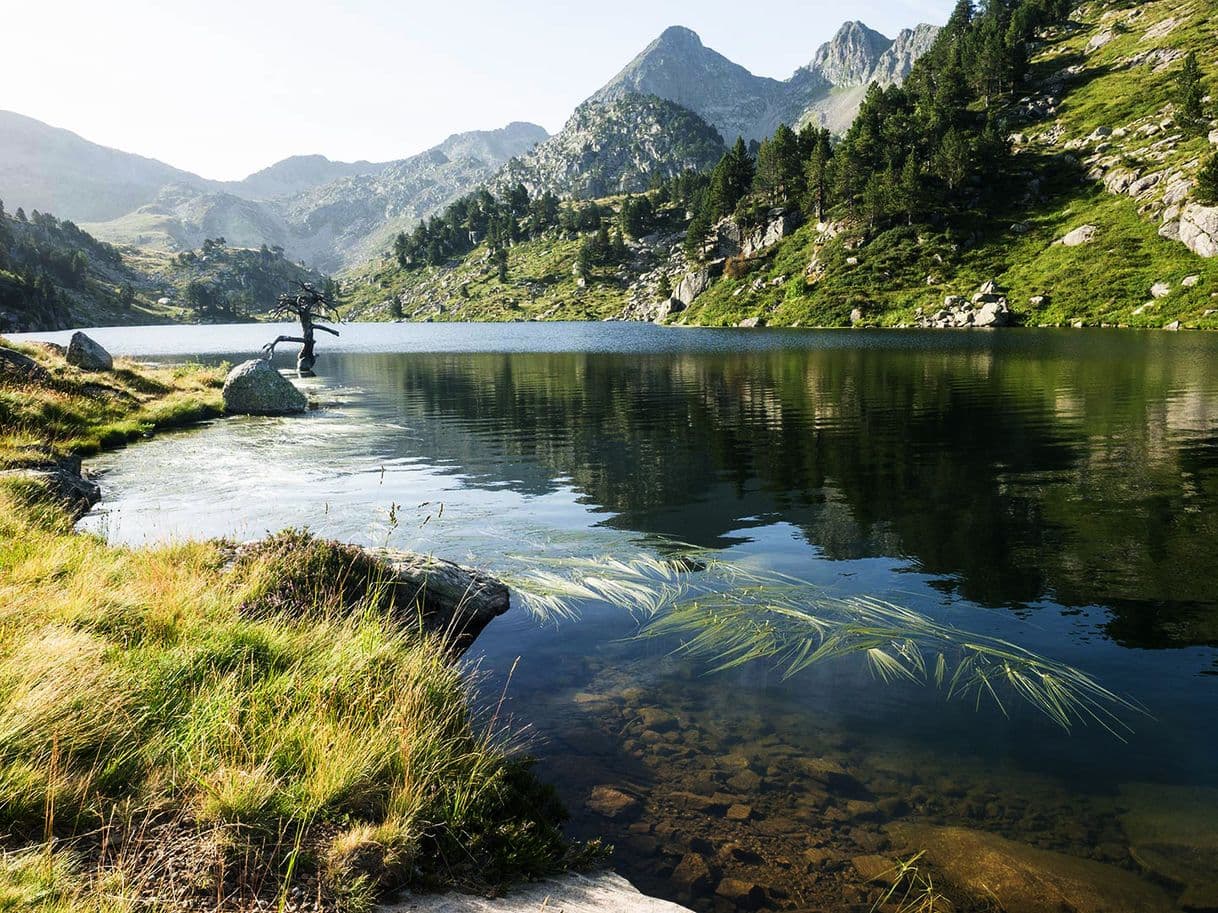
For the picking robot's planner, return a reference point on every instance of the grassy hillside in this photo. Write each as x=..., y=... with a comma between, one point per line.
x=54, y=275
x=1095, y=115
x=540, y=287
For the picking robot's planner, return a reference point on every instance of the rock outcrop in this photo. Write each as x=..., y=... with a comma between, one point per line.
x=987, y=309
x=616, y=145
x=88, y=355
x=62, y=479
x=255, y=388
x=1199, y=229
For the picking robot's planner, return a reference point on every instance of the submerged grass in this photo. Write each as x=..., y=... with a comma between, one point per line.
x=733, y=616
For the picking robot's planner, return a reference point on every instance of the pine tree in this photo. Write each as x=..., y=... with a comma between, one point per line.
x=699, y=227
x=1207, y=181
x=20, y=214
x=731, y=180
x=817, y=175
x=953, y=160
x=778, y=167
x=1190, y=95
x=664, y=287
x=617, y=250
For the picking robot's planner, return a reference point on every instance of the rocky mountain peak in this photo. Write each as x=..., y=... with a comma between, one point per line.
x=849, y=58
x=678, y=36
x=910, y=44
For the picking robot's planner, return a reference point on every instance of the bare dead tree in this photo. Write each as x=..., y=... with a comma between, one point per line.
x=307, y=305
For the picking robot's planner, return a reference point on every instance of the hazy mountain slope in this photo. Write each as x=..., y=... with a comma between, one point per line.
x=353, y=219
x=181, y=217
x=340, y=222
x=615, y=146
x=298, y=174
x=53, y=170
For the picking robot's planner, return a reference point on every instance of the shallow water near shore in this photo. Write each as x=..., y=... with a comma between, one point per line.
x=1057, y=490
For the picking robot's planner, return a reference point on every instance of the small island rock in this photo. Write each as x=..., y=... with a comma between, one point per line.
x=88, y=355
x=256, y=388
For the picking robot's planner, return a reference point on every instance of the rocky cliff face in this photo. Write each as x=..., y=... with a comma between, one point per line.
x=850, y=57
x=615, y=146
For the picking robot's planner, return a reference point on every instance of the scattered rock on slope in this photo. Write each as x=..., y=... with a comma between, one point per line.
x=1084, y=234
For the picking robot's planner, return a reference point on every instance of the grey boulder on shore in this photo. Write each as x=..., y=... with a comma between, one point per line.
x=87, y=354
x=255, y=388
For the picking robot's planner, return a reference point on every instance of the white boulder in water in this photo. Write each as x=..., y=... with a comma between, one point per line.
x=255, y=388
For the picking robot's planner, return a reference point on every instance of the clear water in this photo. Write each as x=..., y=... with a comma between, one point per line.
x=1056, y=489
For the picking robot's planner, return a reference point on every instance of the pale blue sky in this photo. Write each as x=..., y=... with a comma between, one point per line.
x=225, y=87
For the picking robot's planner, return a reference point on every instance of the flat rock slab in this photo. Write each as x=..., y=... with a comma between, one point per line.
x=24, y=368
x=604, y=893
x=1017, y=878
x=458, y=602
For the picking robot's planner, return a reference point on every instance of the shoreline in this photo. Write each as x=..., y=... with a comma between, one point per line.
x=291, y=588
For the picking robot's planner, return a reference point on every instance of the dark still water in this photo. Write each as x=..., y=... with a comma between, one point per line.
x=1055, y=490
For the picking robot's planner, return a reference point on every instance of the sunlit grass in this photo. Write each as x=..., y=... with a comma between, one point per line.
x=79, y=412
x=135, y=683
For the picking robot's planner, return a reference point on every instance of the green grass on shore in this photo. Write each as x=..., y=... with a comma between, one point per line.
x=72, y=411
x=163, y=745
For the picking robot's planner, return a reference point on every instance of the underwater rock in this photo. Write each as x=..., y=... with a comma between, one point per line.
x=611, y=802
x=1173, y=835
x=1017, y=878
x=745, y=895
x=692, y=874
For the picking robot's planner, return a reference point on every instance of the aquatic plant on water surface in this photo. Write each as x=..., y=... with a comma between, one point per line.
x=732, y=615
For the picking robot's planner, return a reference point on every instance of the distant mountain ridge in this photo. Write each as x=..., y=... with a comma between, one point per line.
x=656, y=116
x=331, y=224
x=679, y=68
